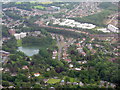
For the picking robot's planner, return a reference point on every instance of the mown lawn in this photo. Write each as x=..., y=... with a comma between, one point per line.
x=18, y=2
x=53, y=81
x=71, y=79
x=46, y=2
x=39, y=7
x=19, y=43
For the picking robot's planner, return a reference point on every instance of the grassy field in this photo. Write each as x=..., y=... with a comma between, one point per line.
x=46, y=2
x=97, y=19
x=53, y=81
x=39, y=7
x=18, y=3
x=35, y=1
x=71, y=79
x=19, y=43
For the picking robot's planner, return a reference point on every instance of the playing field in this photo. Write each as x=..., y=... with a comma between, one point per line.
x=39, y=7
x=53, y=81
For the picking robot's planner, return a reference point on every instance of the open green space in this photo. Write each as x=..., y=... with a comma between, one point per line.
x=70, y=79
x=53, y=81
x=18, y=2
x=97, y=19
x=39, y=7
x=108, y=6
x=19, y=42
x=48, y=2
x=43, y=42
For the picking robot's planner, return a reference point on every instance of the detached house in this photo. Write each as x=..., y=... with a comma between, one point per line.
x=36, y=74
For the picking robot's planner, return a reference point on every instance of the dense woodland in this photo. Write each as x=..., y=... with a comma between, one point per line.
x=37, y=41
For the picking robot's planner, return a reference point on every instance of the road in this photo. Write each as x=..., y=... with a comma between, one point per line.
x=114, y=16
x=59, y=47
x=61, y=44
x=66, y=29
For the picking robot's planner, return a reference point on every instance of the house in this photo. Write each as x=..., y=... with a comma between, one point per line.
x=65, y=55
x=36, y=74
x=62, y=82
x=92, y=39
x=75, y=83
x=48, y=69
x=1, y=69
x=51, y=88
x=11, y=87
x=56, y=8
x=82, y=62
x=78, y=69
x=25, y=67
x=78, y=44
x=112, y=59
x=68, y=60
x=81, y=84
x=112, y=85
x=83, y=53
x=97, y=45
x=84, y=39
x=45, y=80
x=1, y=87
x=70, y=65
x=4, y=55
x=113, y=28
x=68, y=83
x=106, y=84
x=80, y=49
x=11, y=31
x=17, y=36
x=105, y=30
x=81, y=41
x=54, y=52
x=6, y=70
x=14, y=74
x=5, y=38
x=22, y=35
x=29, y=76
x=55, y=77
x=53, y=57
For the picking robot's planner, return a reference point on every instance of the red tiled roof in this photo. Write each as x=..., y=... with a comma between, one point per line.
x=11, y=31
x=68, y=60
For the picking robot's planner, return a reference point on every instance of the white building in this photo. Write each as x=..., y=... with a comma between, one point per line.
x=36, y=74
x=78, y=69
x=73, y=23
x=53, y=57
x=113, y=28
x=17, y=36
x=81, y=84
x=105, y=30
x=22, y=35
x=71, y=65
